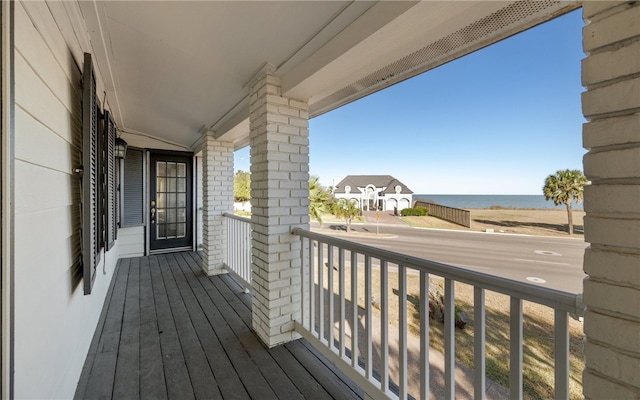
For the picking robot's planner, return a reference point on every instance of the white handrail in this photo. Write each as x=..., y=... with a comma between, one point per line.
x=384, y=372
x=553, y=298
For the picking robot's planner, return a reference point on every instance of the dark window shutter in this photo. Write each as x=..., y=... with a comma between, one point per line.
x=132, y=205
x=119, y=167
x=109, y=166
x=90, y=176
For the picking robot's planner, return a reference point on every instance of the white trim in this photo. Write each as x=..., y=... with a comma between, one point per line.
x=146, y=195
x=194, y=203
x=7, y=202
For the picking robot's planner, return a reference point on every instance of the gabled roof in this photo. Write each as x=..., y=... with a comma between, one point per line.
x=391, y=188
x=380, y=181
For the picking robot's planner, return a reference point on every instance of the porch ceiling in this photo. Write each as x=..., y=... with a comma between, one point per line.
x=173, y=70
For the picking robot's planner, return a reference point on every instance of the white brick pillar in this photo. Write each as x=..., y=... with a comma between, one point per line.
x=279, y=200
x=217, y=198
x=611, y=104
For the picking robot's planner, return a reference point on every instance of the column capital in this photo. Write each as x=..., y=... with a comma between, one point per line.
x=266, y=69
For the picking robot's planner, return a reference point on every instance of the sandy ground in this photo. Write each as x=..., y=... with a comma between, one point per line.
x=523, y=221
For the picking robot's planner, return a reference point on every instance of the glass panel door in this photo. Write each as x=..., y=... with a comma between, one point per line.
x=171, y=201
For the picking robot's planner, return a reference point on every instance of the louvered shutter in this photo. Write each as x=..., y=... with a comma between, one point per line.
x=109, y=166
x=133, y=179
x=90, y=176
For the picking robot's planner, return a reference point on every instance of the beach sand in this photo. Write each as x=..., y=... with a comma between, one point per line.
x=541, y=222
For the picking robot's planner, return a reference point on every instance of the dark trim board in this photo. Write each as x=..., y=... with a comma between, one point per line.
x=169, y=331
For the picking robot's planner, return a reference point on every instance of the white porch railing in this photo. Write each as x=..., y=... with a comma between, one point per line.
x=239, y=248
x=360, y=344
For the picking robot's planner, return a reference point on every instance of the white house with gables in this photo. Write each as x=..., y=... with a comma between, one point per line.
x=374, y=192
x=103, y=294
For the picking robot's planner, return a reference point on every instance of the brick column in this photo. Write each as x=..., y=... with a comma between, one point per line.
x=217, y=198
x=610, y=72
x=279, y=142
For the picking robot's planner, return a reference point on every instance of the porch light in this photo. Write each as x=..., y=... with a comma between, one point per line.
x=121, y=147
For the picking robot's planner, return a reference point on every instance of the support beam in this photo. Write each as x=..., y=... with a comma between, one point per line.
x=217, y=196
x=279, y=142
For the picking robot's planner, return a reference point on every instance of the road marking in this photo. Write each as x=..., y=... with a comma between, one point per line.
x=535, y=279
x=541, y=262
x=548, y=253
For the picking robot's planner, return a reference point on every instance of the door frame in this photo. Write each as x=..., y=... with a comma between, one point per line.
x=147, y=208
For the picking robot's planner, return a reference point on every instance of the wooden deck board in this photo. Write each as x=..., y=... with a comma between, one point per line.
x=126, y=383
x=152, y=382
x=102, y=376
x=167, y=331
x=176, y=376
x=203, y=382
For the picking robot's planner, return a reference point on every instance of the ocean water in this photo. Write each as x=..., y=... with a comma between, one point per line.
x=487, y=201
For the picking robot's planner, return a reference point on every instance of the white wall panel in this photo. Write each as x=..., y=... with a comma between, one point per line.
x=54, y=320
x=131, y=241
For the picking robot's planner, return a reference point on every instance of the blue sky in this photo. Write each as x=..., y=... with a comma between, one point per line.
x=497, y=121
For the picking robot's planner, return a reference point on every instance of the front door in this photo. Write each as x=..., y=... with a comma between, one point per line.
x=171, y=201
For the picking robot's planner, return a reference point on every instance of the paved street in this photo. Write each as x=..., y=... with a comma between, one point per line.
x=550, y=261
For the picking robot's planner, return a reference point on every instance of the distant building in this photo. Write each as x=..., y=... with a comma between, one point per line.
x=374, y=192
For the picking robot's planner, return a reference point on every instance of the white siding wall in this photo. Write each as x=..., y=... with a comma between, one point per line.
x=54, y=320
x=131, y=241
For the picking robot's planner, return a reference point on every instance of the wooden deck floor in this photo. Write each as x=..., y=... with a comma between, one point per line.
x=167, y=331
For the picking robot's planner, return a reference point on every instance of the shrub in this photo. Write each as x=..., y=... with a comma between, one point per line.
x=414, y=212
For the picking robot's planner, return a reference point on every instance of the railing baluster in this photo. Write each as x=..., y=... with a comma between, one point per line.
x=561, y=354
x=369, y=315
x=312, y=287
x=236, y=259
x=384, y=326
x=229, y=226
x=341, y=311
x=237, y=266
x=303, y=303
x=354, y=309
x=246, y=257
x=321, y=267
x=332, y=315
x=424, y=335
x=479, y=366
x=449, y=339
x=402, y=329
x=515, y=349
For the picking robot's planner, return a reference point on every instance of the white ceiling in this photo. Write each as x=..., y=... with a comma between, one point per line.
x=173, y=70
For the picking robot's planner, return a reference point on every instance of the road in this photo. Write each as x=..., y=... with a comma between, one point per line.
x=549, y=261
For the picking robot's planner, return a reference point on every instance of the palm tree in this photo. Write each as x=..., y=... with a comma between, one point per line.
x=346, y=209
x=318, y=198
x=563, y=187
